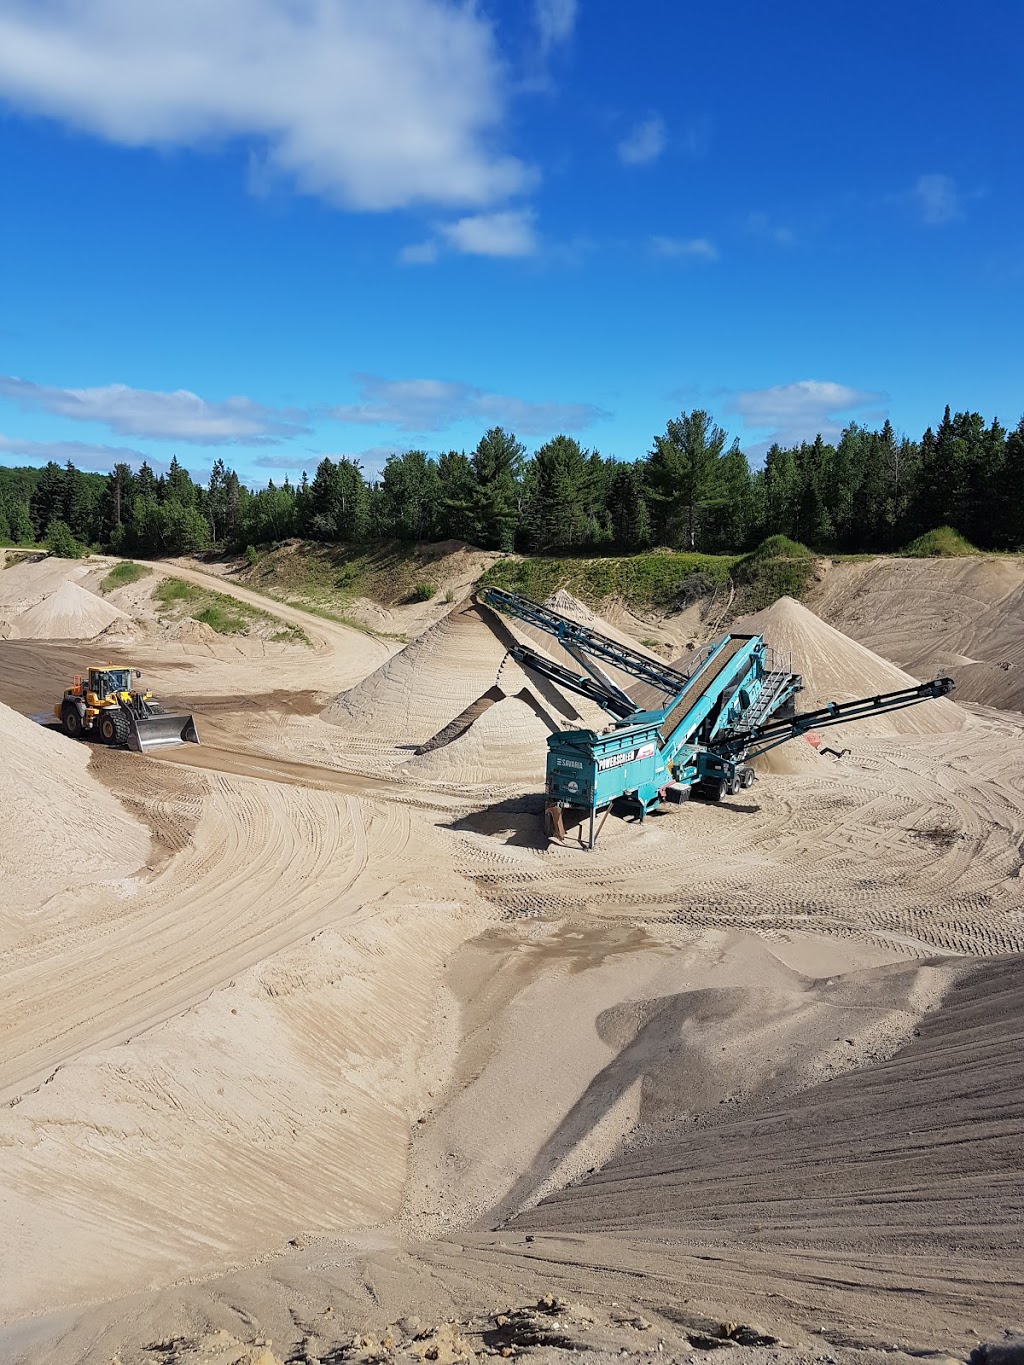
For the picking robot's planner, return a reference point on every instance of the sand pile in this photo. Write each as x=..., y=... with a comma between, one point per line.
x=966, y=616
x=507, y=743
x=836, y=668
x=28, y=581
x=882, y=1158
x=69, y=613
x=62, y=828
x=433, y=680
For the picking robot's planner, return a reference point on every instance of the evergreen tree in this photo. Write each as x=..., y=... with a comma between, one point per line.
x=179, y=487
x=115, y=505
x=78, y=504
x=497, y=464
x=145, y=482
x=683, y=471
x=1009, y=511
x=47, y=501
x=560, y=513
x=781, y=492
x=730, y=517
x=628, y=509
x=456, y=489
x=410, y=493
x=813, y=523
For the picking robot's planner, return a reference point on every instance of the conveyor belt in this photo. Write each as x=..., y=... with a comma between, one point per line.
x=701, y=683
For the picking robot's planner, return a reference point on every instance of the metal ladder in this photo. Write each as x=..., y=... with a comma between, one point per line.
x=775, y=683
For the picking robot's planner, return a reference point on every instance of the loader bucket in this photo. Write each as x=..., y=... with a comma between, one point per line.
x=161, y=732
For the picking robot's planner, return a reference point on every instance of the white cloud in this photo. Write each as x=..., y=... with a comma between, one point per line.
x=373, y=106
x=644, y=144
x=761, y=225
x=178, y=416
x=419, y=253
x=423, y=405
x=510, y=233
x=555, y=20
x=696, y=248
x=95, y=458
x=801, y=410
x=936, y=199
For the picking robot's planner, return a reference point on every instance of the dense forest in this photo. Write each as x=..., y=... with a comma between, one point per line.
x=872, y=490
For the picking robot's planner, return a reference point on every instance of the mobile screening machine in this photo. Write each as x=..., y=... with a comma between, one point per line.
x=734, y=700
x=104, y=703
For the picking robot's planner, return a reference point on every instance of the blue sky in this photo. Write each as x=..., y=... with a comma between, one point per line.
x=269, y=230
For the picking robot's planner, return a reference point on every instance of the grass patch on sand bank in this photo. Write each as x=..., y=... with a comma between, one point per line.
x=226, y=615
x=779, y=567
x=942, y=543
x=661, y=579
x=123, y=574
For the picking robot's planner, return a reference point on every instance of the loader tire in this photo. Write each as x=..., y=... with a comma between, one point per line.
x=113, y=728
x=71, y=721
x=748, y=777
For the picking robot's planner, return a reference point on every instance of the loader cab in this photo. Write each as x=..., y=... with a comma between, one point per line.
x=104, y=682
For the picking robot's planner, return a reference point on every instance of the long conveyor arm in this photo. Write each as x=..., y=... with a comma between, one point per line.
x=571, y=633
x=751, y=743
x=582, y=684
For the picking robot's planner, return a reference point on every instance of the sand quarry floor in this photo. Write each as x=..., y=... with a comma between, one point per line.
x=311, y=1049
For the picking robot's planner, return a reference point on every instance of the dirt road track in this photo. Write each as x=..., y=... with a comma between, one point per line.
x=324, y=634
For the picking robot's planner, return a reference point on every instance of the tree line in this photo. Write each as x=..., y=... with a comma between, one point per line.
x=871, y=490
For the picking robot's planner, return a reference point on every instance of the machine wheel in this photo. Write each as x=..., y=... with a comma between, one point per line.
x=735, y=785
x=113, y=728
x=748, y=777
x=714, y=789
x=71, y=720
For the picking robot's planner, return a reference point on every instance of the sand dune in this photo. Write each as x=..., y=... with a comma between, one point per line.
x=507, y=744
x=63, y=830
x=886, y=1158
x=836, y=668
x=433, y=680
x=68, y=613
x=964, y=615
x=312, y=1004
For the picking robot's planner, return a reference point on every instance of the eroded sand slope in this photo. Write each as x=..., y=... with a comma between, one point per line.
x=363, y=1011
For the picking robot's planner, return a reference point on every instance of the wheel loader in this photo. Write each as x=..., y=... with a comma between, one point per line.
x=103, y=702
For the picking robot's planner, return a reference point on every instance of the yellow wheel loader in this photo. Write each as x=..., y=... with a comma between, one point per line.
x=102, y=702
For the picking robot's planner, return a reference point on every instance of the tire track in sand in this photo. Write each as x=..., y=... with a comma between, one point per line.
x=268, y=863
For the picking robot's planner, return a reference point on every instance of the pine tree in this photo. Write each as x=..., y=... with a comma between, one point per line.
x=682, y=471
x=497, y=464
x=180, y=488
x=813, y=524
x=560, y=511
x=627, y=505
x=410, y=493
x=1009, y=510
x=729, y=519
x=78, y=504
x=456, y=486
x=47, y=501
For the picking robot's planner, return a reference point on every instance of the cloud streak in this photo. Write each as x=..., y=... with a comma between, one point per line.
x=936, y=199
x=371, y=106
x=801, y=410
x=692, y=248
x=423, y=405
x=555, y=21
x=95, y=458
x=177, y=416
x=644, y=144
